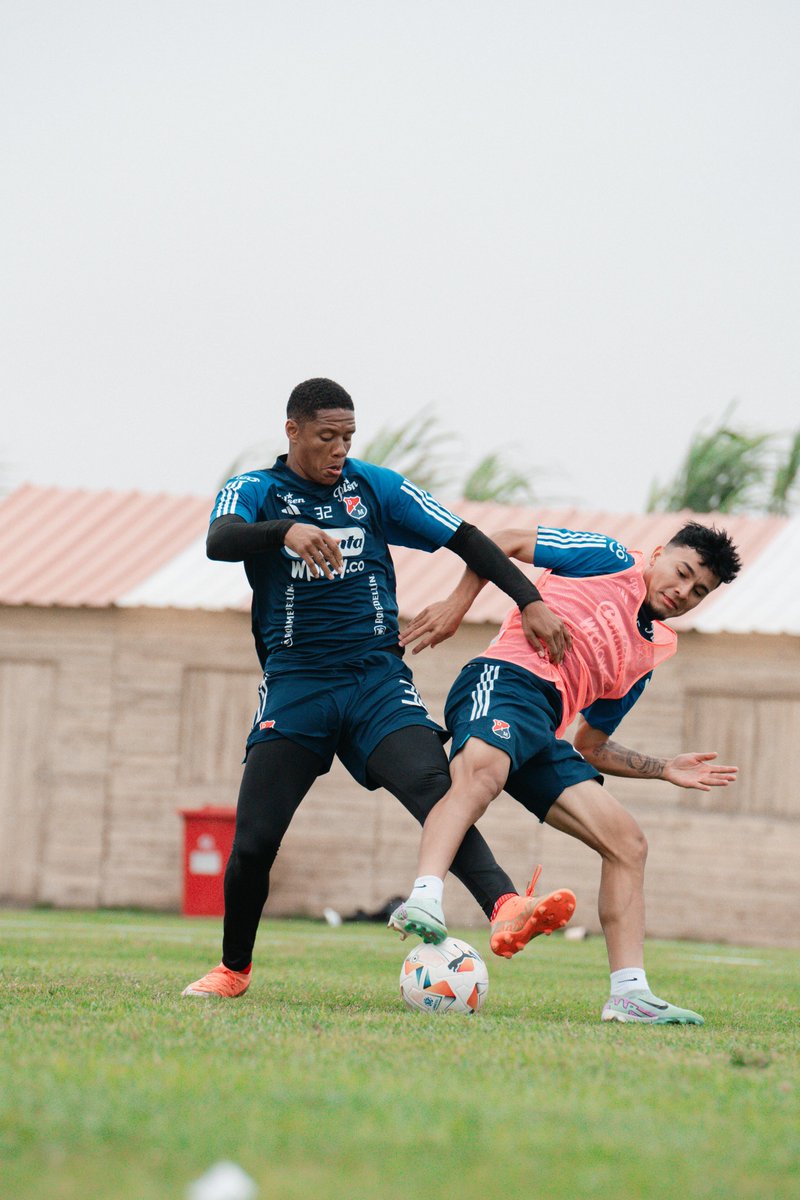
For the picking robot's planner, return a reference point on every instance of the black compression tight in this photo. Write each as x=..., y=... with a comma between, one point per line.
x=276, y=777
x=410, y=763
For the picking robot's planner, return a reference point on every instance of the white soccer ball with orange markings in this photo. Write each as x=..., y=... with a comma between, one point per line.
x=450, y=977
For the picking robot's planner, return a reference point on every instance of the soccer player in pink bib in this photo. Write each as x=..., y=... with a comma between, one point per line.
x=509, y=708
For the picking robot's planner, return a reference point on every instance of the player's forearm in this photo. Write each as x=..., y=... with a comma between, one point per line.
x=517, y=543
x=488, y=562
x=612, y=758
x=466, y=591
x=232, y=539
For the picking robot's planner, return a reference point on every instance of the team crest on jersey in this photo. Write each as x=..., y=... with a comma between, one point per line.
x=291, y=502
x=502, y=729
x=354, y=507
x=266, y=725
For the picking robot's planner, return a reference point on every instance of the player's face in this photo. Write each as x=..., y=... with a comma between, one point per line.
x=318, y=448
x=676, y=581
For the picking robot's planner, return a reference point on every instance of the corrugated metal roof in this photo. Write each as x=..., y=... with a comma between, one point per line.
x=422, y=578
x=765, y=599
x=191, y=580
x=73, y=548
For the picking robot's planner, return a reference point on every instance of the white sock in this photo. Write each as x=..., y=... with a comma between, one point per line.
x=427, y=887
x=629, y=979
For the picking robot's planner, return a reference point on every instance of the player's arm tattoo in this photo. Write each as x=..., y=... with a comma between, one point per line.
x=616, y=759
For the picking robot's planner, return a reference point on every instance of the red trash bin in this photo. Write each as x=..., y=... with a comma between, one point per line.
x=207, y=841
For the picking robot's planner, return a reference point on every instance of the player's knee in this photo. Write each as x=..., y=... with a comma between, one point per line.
x=475, y=791
x=630, y=844
x=431, y=784
x=423, y=790
x=254, y=854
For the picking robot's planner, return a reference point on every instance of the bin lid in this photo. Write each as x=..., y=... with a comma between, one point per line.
x=210, y=812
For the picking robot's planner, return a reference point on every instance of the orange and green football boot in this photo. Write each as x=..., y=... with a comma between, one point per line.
x=222, y=981
x=521, y=918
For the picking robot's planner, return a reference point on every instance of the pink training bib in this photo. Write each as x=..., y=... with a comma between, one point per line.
x=608, y=652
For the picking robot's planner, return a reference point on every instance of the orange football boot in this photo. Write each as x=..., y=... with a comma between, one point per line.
x=220, y=982
x=524, y=917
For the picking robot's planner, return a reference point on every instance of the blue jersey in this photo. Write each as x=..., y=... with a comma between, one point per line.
x=581, y=555
x=298, y=618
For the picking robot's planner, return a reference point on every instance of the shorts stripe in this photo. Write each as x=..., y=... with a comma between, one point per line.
x=263, y=692
x=482, y=692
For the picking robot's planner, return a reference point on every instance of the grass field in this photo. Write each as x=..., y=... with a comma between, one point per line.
x=319, y=1082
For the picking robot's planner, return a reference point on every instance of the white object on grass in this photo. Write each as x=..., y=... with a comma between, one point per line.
x=223, y=1181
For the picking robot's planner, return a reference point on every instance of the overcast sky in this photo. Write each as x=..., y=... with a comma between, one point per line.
x=567, y=229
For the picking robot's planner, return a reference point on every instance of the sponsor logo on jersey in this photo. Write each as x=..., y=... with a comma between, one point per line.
x=266, y=725
x=347, y=485
x=502, y=729
x=351, y=541
x=291, y=503
x=355, y=508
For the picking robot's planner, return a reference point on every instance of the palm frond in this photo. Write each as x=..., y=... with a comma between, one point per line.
x=492, y=480
x=786, y=478
x=417, y=449
x=723, y=471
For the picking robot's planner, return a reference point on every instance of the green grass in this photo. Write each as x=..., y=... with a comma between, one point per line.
x=320, y=1083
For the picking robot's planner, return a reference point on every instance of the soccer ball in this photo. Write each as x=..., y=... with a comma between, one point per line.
x=450, y=977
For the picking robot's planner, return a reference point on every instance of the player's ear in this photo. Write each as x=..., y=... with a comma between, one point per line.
x=292, y=430
x=659, y=550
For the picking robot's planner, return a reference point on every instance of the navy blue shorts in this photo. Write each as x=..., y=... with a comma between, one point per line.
x=511, y=708
x=345, y=709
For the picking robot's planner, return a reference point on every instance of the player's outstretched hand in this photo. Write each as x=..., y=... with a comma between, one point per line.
x=434, y=624
x=699, y=771
x=316, y=548
x=546, y=632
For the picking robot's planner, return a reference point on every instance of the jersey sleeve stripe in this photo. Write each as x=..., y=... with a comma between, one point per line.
x=228, y=498
x=566, y=538
x=432, y=507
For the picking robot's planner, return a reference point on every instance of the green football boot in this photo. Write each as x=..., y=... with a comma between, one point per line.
x=425, y=919
x=647, y=1008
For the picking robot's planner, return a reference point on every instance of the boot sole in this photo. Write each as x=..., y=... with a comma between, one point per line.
x=551, y=913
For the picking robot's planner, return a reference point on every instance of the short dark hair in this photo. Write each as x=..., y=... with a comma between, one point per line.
x=714, y=549
x=309, y=397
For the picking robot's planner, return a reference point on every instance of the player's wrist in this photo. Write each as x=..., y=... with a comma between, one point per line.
x=274, y=532
x=537, y=600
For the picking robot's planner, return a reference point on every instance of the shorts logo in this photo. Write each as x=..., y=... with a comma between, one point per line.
x=502, y=729
x=355, y=508
x=266, y=725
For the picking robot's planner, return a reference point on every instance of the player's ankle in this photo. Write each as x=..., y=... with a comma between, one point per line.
x=499, y=902
x=427, y=887
x=627, y=980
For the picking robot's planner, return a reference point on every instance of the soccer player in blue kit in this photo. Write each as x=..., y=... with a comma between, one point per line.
x=313, y=532
x=508, y=711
